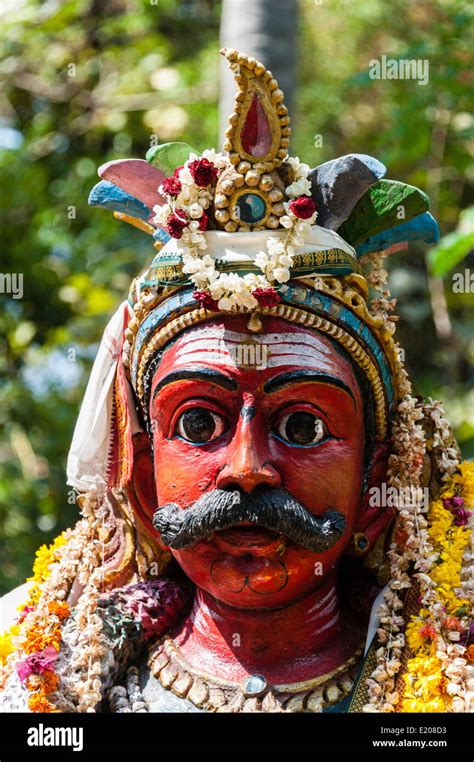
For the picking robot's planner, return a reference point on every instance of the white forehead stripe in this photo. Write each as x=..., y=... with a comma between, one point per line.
x=231, y=349
x=200, y=338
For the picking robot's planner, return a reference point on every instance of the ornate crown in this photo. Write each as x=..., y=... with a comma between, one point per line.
x=196, y=206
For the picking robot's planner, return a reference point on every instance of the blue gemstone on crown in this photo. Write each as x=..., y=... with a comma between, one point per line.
x=252, y=208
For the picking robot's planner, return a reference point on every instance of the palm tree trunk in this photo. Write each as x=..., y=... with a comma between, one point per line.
x=265, y=29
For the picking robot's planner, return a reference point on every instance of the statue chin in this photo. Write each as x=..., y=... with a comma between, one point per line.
x=251, y=568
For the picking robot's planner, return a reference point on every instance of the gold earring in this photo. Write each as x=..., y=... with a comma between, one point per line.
x=360, y=543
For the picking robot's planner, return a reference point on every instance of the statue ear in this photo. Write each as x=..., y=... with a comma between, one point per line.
x=131, y=458
x=374, y=515
x=141, y=488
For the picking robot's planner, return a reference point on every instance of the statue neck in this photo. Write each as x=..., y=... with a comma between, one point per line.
x=291, y=644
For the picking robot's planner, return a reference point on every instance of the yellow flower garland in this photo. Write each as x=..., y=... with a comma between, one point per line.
x=45, y=556
x=425, y=683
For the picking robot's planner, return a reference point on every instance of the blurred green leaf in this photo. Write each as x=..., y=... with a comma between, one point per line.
x=169, y=156
x=455, y=246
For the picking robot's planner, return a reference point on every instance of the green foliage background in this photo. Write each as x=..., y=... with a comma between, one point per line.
x=88, y=81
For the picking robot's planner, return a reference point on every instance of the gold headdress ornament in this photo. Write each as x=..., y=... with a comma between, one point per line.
x=257, y=141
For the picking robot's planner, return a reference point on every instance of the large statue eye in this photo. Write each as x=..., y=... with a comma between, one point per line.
x=301, y=428
x=200, y=425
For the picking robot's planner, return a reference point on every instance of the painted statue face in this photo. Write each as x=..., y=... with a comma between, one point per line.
x=280, y=409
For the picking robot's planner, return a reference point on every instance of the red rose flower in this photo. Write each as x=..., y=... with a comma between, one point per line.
x=176, y=223
x=203, y=221
x=206, y=300
x=267, y=297
x=171, y=186
x=303, y=207
x=36, y=663
x=203, y=172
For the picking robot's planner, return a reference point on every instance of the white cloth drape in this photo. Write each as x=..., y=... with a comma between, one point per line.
x=87, y=460
x=244, y=247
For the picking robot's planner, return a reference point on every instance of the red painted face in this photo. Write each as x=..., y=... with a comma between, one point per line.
x=280, y=409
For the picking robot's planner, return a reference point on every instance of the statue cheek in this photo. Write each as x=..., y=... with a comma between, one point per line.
x=323, y=479
x=183, y=473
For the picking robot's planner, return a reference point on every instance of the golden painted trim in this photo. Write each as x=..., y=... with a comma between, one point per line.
x=167, y=273
x=173, y=272
x=135, y=221
x=165, y=334
x=251, y=86
x=352, y=291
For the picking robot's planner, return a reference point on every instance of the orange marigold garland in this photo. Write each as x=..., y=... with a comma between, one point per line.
x=32, y=646
x=40, y=642
x=41, y=646
x=45, y=557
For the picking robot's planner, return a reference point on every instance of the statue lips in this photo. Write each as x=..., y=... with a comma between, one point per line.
x=261, y=575
x=248, y=538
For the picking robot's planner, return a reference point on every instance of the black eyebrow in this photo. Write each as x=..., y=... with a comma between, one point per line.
x=202, y=374
x=303, y=376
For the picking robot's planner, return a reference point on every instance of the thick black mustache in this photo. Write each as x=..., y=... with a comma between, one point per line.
x=274, y=509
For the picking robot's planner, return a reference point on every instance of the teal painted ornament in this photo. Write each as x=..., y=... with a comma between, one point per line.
x=109, y=196
x=252, y=208
x=161, y=235
x=423, y=227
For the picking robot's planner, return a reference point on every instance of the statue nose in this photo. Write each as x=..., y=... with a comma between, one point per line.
x=248, y=465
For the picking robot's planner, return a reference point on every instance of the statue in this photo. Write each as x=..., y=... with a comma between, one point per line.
x=271, y=522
